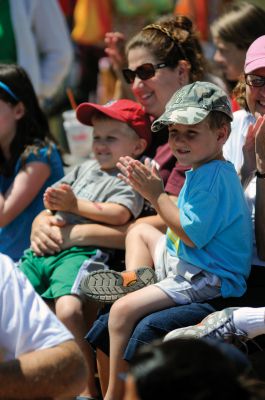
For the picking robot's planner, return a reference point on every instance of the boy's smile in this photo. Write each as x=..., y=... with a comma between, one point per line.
x=113, y=139
x=195, y=144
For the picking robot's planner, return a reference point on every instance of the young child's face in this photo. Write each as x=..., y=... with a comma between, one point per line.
x=113, y=139
x=194, y=144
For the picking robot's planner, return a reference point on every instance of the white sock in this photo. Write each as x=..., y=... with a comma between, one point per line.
x=250, y=320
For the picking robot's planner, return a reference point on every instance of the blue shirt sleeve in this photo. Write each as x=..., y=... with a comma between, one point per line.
x=200, y=218
x=41, y=155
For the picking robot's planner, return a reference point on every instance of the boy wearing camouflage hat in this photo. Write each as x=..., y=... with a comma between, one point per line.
x=206, y=251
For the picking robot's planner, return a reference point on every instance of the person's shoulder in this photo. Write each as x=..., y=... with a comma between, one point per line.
x=210, y=170
x=241, y=117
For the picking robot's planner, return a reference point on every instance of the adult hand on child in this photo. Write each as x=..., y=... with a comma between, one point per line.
x=46, y=236
x=144, y=178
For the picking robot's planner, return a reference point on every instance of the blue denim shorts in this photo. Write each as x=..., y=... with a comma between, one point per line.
x=152, y=327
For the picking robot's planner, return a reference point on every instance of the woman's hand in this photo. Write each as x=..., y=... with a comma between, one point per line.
x=115, y=42
x=46, y=235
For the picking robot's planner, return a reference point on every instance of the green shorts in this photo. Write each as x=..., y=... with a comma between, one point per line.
x=53, y=276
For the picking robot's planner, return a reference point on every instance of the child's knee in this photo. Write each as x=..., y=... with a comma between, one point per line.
x=138, y=230
x=119, y=314
x=68, y=309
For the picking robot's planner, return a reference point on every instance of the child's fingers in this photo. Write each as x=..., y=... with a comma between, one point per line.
x=64, y=187
x=124, y=179
x=122, y=168
x=137, y=169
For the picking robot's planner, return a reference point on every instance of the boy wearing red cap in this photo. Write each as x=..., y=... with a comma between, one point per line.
x=90, y=192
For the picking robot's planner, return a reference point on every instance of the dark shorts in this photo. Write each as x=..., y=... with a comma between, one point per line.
x=158, y=324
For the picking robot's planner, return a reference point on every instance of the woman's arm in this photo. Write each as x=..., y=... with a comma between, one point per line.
x=49, y=236
x=24, y=189
x=260, y=217
x=260, y=187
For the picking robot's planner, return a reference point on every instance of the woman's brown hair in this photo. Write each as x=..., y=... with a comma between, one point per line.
x=171, y=39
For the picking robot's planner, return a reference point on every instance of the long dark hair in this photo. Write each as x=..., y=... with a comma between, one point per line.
x=32, y=131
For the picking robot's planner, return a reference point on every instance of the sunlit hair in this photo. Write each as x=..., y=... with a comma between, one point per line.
x=239, y=93
x=241, y=24
x=171, y=39
x=32, y=132
x=216, y=119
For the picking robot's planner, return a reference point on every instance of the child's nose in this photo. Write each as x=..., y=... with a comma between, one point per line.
x=179, y=139
x=101, y=143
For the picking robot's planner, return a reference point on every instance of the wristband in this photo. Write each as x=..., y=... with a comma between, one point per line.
x=259, y=175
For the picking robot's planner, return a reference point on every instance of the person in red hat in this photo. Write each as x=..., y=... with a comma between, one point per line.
x=91, y=192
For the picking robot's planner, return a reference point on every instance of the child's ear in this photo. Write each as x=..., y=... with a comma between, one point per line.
x=223, y=134
x=140, y=147
x=19, y=110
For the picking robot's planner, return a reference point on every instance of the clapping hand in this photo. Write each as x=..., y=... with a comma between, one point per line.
x=144, y=178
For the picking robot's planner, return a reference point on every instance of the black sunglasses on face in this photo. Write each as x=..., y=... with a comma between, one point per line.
x=255, y=80
x=144, y=72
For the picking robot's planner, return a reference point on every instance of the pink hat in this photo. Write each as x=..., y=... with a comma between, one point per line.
x=123, y=110
x=255, y=57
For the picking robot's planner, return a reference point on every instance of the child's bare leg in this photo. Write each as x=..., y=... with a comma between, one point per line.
x=144, y=238
x=124, y=314
x=69, y=310
x=103, y=370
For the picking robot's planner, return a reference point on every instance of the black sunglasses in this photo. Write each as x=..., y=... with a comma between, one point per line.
x=144, y=72
x=255, y=80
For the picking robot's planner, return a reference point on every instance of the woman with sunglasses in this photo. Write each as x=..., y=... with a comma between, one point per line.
x=246, y=145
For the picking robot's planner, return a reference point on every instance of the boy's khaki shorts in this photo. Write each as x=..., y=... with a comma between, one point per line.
x=184, y=283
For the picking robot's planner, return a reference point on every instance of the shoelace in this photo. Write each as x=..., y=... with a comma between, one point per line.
x=230, y=334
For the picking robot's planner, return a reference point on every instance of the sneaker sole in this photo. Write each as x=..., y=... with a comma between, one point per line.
x=107, y=285
x=205, y=327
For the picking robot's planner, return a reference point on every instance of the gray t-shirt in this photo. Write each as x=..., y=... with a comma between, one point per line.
x=89, y=182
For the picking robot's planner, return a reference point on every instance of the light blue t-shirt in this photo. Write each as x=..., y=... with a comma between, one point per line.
x=15, y=237
x=215, y=216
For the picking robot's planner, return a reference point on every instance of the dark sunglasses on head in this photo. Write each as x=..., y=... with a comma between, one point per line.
x=144, y=72
x=255, y=80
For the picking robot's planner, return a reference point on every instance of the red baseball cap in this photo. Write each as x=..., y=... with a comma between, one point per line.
x=123, y=110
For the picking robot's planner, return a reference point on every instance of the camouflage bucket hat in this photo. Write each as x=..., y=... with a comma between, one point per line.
x=192, y=103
